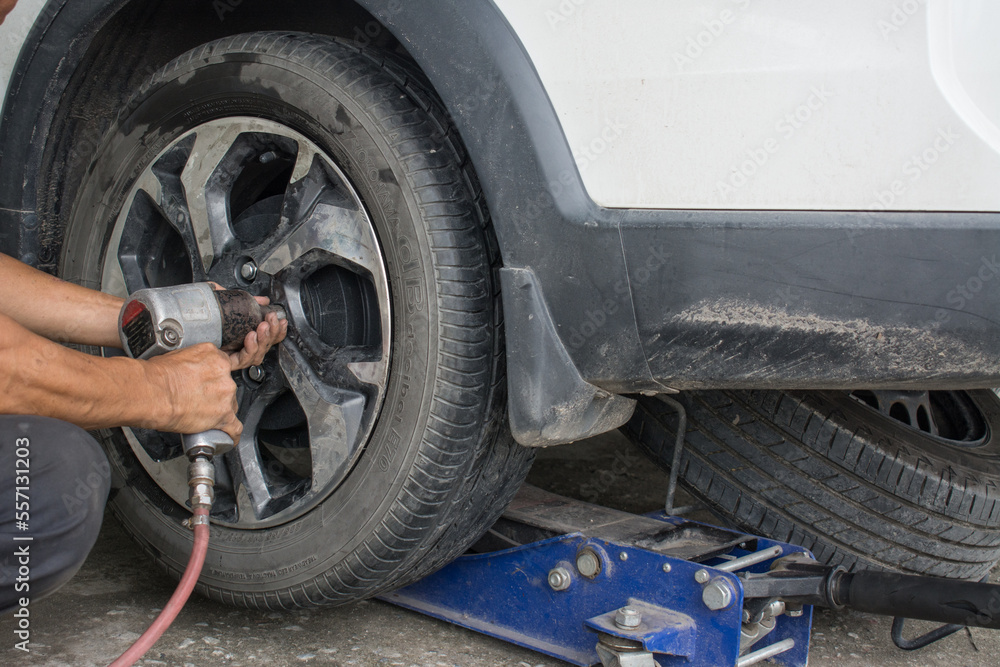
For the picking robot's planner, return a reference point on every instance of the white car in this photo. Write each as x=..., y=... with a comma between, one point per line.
x=503, y=224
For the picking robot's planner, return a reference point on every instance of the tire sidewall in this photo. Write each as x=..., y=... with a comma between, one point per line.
x=273, y=88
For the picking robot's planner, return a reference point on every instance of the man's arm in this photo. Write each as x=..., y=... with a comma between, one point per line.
x=56, y=309
x=188, y=391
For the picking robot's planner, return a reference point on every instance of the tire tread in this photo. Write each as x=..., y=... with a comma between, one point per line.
x=783, y=467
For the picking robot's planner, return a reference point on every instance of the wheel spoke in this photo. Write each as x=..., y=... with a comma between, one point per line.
x=333, y=415
x=114, y=280
x=304, y=161
x=913, y=408
x=369, y=372
x=247, y=472
x=321, y=218
x=207, y=212
x=255, y=497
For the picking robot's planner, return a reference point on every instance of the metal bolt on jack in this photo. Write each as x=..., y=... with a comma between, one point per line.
x=559, y=578
x=718, y=595
x=588, y=563
x=628, y=618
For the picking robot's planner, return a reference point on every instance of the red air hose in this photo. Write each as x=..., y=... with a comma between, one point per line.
x=177, y=600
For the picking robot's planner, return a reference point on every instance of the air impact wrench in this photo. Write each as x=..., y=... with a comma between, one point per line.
x=160, y=320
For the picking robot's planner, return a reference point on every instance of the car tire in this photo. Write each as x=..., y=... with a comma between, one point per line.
x=831, y=473
x=409, y=305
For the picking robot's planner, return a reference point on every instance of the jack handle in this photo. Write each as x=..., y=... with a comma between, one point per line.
x=799, y=580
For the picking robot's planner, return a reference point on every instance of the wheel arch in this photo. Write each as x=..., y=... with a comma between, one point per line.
x=81, y=61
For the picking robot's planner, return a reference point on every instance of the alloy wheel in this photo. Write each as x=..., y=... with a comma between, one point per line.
x=951, y=417
x=254, y=204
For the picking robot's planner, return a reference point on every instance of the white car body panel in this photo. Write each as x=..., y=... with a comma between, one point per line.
x=775, y=104
x=760, y=104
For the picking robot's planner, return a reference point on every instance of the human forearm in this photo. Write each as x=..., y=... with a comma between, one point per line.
x=56, y=309
x=187, y=391
x=43, y=378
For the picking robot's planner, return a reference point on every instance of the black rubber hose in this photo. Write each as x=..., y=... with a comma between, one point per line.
x=924, y=598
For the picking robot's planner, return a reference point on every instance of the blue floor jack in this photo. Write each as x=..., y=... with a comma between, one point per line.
x=592, y=585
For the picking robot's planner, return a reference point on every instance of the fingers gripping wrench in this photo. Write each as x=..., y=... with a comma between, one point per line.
x=160, y=320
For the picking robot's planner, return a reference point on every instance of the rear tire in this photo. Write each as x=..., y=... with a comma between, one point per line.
x=439, y=464
x=829, y=473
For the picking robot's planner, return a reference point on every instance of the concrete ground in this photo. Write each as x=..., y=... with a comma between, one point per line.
x=116, y=594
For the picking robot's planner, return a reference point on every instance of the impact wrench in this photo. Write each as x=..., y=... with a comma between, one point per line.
x=161, y=320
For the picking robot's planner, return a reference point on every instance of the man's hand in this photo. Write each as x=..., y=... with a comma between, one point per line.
x=197, y=389
x=270, y=332
x=198, y=380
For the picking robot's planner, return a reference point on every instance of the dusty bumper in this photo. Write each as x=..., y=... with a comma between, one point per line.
x=682, y=300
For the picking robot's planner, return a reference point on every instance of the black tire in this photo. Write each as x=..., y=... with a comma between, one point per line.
x=440, y=464
x=826, y=472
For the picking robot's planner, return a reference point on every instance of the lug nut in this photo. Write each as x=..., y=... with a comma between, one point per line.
x=717, y=595
x=256, y=373
x=559, y=579
x=628, y=618
x=249, y=271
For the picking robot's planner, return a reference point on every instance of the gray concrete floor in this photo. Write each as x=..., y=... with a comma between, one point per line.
x=117, y=593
